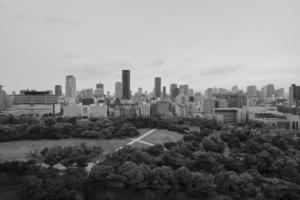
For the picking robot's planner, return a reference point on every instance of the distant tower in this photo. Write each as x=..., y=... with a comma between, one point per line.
x=164, y=92
x=58, y=91
x=174, y=91
x=100, y=86
x=2, y=99
x=183, y=89
x=157, y=87
x=118, y=90
x=70, y=86
x=126, y=84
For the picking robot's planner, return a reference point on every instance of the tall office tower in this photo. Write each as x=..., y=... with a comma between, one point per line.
x=280, y=92
x=294, y=95
x=209, y=92
x=99, y=86
x=126, y=84
x=251, y=91
x=164, y=95
x=58, y=91
x=235, y=88
x=118, y=90
x=157, y=87
x=2, y=98
x=190, y=92
x=268, y=90
x=70, y=86
x=140, y=90
x=86, y=93
x=183, y=89
x=174, y=91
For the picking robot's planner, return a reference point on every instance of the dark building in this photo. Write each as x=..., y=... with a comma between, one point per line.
x=126, y=84
x=100, y=86
x=164, y=92
x=58, y=91
x=234, y=100
x=157, y=87
x=2, y=99
x=174, y=91
x=294, y=95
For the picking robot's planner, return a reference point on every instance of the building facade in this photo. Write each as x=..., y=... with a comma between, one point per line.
x=126, y=84
x=118, y=90
x=58, y=90
x=157, y=87
x=70, y=86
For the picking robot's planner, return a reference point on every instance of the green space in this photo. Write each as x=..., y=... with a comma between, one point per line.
x=162, y=136
x=21, y=150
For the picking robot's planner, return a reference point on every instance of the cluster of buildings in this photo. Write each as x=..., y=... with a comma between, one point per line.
x=268, y=105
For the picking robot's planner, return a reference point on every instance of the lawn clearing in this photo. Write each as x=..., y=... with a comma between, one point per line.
x=162, y=136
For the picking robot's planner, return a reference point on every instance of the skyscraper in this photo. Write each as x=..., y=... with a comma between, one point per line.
x=140, y=90
x=100, y=86
x=294, y=95
x=235, y=88
x=183, y=89
x=268, y=90
x=2, y=99
x=251, y=91
x=164, y=92
x=126, y=84
x=174, y=91
x=70, y=86
x=99, y=91
x=58, y=91
x=118, y=90
x=157, y=87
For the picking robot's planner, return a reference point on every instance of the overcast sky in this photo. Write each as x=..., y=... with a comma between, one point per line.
x=203, y=43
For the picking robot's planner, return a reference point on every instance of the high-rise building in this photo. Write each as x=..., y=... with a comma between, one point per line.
x=126, y=84
x=190, y=92
x=58, y=91
x=183, y=89
x=174, y=91
x=235, y=88
x=140, y=91
x=99, y=86
x=86, y=93
x=280, y=92
x=294, y=95
x=70, y=86
x=209, y=92
x=164, y=92
x=157, y=87
x=2, y=99
x=118, y=90
x=251, y=91
x=268, y=90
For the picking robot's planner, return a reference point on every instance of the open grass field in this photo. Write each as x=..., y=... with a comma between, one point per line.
x=162, y=136
x=20, y=150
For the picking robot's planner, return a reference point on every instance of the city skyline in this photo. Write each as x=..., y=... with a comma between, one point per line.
x=200, y=43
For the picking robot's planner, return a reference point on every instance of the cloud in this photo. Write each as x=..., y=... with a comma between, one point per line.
x=60, y=20
x=158, y=63
x=220, y=70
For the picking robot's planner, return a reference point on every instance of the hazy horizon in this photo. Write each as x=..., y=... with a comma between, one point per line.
x=201, y=43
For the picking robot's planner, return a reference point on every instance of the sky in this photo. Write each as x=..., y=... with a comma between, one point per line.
x=203, y=43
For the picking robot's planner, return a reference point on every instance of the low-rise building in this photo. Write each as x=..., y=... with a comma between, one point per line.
x=230, y=115
x=181, y=110
x=79, y=110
